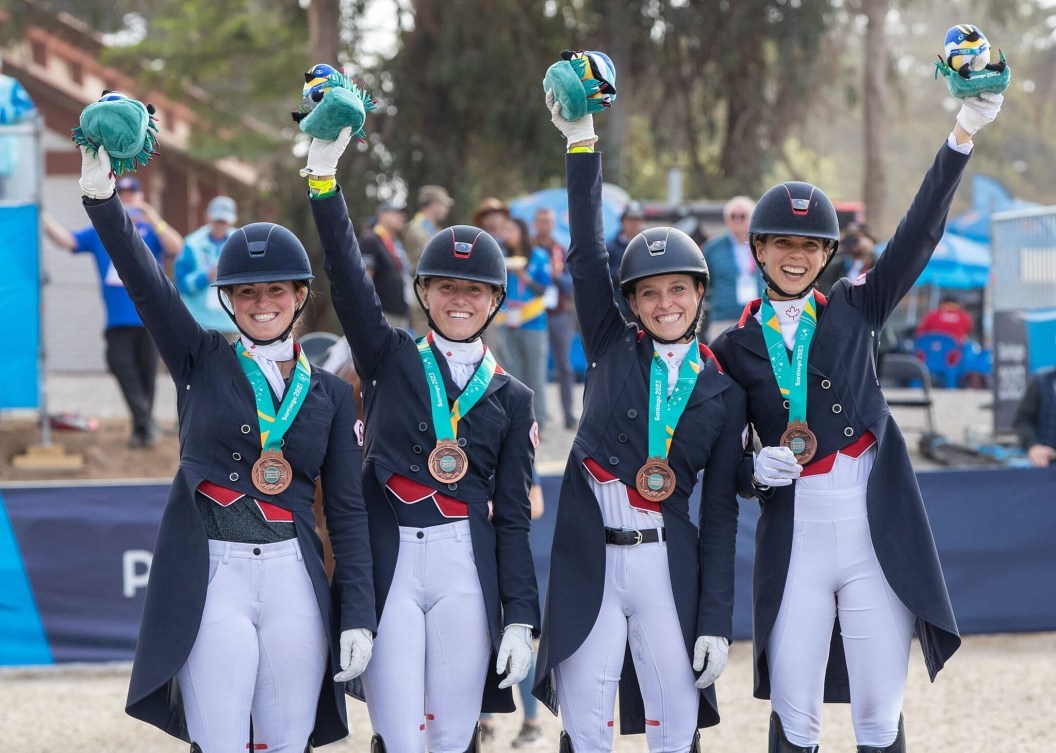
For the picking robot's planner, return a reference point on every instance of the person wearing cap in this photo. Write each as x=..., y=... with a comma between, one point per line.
x=239, y=623
x=640, y=597
x=387, y=262
x=490, y=216
x=131, y=354
x=735, y=279
x=632, y=222
x=449, y=445
x=844, y=549
x=434, y=204
x=195, y=269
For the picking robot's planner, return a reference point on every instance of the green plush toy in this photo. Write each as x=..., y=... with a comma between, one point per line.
x=584, y=82
x=331, y=102
x=124, y=127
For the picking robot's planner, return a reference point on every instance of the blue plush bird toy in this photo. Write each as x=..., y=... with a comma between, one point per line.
x=330, y=101
x=967, y=67
x=583, y=81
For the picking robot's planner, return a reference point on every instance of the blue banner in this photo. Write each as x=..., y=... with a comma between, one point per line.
x=20, y=302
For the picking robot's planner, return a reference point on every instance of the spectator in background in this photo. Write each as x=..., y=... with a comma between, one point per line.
x=632, y=222
x=130, y=352
x=1035, y=421
x=491, y=216
x=196, y=268
x=434, y=204
x=855, y=256
x=524, y=332
x=950, y=318
x=735, y=278
x=16, y=106
x=560, y=319
x=388, y=265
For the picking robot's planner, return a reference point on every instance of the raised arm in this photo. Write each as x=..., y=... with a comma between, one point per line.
x=175, y=332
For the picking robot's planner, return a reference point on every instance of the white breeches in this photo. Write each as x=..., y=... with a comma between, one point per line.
x=637, y=608
x=261, y=651
x=833, y=570
x=425, y=681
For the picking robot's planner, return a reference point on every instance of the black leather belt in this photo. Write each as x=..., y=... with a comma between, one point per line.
x=628, y=537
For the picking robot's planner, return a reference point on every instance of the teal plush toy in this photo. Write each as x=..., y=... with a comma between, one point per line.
x=584, y=82
x=331, y=102
x=967, y=68
x=124, y=127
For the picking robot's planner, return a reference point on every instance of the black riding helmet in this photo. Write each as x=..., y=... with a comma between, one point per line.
x=261, y=252
x=462, y=252
x=794, y=209
x=664, y=251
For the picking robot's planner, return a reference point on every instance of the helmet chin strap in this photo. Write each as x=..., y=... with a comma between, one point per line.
x=689, y=333
x=475, y=335
x=255, y=341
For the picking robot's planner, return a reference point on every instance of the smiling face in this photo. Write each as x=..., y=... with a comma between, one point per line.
x=265, y=309
x=459, y=308
x=792, y=261
x=667, y=304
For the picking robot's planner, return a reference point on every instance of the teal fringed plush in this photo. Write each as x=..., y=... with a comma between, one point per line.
x=125, y=127
x=343, y=105
x=584, y=82
x=994, y=78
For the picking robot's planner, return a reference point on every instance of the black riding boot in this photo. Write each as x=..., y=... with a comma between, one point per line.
x=695, y=747
x=565, y=746
x=898, y=746
x=779, y=743
x=377, y=745
x=474, y=742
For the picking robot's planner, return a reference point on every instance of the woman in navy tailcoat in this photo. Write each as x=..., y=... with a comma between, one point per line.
x=239, y=619
x=453, y=571
x=640, y=597
x=846, y=569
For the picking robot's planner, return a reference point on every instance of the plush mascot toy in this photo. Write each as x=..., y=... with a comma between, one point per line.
x=125, y=127
x=330, y=101
x=583, y=82
x=967, y=67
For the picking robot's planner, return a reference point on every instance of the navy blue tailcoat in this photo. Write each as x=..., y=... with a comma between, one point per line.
x=219, y=442
x=843, y=402
x=496, y=435
x=709, y=437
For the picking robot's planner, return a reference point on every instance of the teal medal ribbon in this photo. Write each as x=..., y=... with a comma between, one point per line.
x=656, y=480
x=791, y=375
x=448, y=462
x=272, y=473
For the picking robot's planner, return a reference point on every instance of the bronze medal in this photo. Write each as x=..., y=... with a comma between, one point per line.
x=448, y=462
x=800, y=440
x=271, y=473
x=655, y=480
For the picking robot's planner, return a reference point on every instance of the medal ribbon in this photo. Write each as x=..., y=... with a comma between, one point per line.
x=791, y=376
x=665, y=411
x=273, y=425
x=445, y=422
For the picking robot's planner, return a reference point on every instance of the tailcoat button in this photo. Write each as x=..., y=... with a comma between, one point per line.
x=849, y=432
x=825, y=384
x=785, y=404
x=236, y=455
x=461, y=441
x=417, y=449
x=632, y=413
x=423, y=426
x=415, y=469
x=622, y=437
x=233, y=477
x=245, y=428
x=453, y=487
x=614, y=460
x=837, y=408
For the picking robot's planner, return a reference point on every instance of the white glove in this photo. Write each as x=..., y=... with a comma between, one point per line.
x=977, y=111
x=776, y=466
x=573, y=130
x=323, y=155
x=515, y=649
x=357, y=645
x=97, y=176
x=711, y=652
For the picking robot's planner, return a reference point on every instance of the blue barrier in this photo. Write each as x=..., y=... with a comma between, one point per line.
x=74, y=559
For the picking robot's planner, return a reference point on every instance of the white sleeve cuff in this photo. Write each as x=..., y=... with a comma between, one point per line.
x=965, y=148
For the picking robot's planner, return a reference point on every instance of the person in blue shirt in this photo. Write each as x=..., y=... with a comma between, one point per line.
x=525, y=338
x=130, y=353
x=196, y=268
x=16, y=106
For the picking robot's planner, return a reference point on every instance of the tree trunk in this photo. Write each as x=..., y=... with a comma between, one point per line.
x=874, y=110
x=324, y=30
